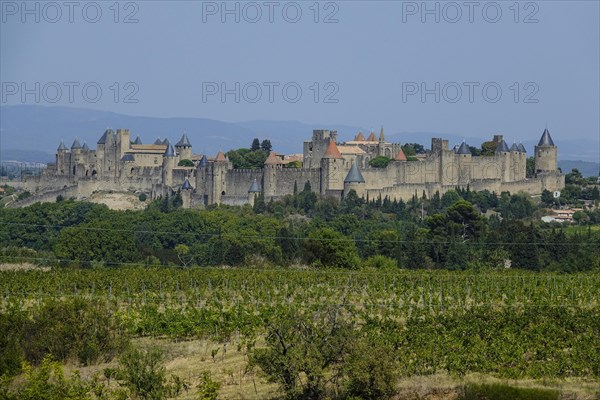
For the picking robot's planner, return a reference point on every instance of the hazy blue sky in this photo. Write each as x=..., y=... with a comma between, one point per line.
x=370, y=55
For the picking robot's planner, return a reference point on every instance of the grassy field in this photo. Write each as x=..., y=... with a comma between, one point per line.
x=581, y=229
x=188, y=359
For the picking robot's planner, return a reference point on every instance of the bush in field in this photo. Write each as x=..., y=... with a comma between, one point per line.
x=46, y=382
x=208, y=389
x=313, y=346
x=11, y=353
x=143, y=373
x=326, y=349
x=79, y=328
x=371, y=370
x=381, y=262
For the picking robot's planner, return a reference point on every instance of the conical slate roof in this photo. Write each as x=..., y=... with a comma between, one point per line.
x=76, y=144
x=521, y=148
x=128, y=157
x=105, y=136
x=85, y=146
x=502, y=147
x=332, y=151
x=546, y=139
x=255, y=187
x=166, y=141
x=186, y=185
x=184, y=142
x=170, y=152
x=514, y=148
x=354, y=175
x=62, y=146
x=203, y=162
x=158, y=141
x=463, y=149
x=137, y=140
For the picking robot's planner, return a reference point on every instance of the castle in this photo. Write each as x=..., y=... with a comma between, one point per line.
x=332, y=168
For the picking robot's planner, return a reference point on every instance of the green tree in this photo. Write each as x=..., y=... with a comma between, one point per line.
x=266, y=146
x=185, y=163
x=256, y=159
x=177, y=201
x=255, y=145
x=547, y=198
x=464, y=220
x=489, y=148
x=183, y=253
x=259, y=206
x=449, y=198
x=331, y=249
x=304, y=352
x=142, y=372
x=307, y=199
x=411, y=149
x=530, y=167
x=595, y=193
x=379, y=162
x=574, y=177
x=412, y=252
x=475, y=151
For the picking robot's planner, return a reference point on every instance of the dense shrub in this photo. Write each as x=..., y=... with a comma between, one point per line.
x=46, y=382
x=83, y=329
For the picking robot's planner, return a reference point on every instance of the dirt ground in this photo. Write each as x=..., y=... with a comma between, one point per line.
x=118, y=201
x=22, y=267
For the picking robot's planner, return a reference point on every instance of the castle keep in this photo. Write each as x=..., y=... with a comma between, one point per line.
x=332, y=168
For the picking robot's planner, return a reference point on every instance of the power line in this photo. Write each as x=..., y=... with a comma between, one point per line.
x=274, y=237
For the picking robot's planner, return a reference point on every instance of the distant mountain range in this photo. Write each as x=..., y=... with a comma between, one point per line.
x=32, y=133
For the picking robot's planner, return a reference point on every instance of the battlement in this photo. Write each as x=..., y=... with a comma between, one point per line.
x=215, y=180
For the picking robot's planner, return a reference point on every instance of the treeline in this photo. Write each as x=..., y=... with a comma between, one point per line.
x=447, y=231
x=252, y=158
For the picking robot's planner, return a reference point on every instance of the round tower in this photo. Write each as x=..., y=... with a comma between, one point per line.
x=253, y=192
x=186, y=194
x=464, y=156
x=354, y=181
x=545, y=154
x=504, y=160
x=62, y=159
x=332, y=168
x=76, y=158
x=218, y=178
x=184, y=148
x=270, y=168
x=168, y=165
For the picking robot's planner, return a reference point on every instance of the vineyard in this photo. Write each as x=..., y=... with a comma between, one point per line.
x=509, y=324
